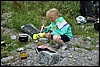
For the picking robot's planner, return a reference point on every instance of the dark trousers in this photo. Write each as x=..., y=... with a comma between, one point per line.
x=86, y=8
x=65, y=38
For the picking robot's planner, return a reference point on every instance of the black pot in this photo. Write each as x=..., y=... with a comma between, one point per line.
x=23, y=38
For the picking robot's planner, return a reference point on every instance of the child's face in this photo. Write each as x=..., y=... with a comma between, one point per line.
x=52, y=19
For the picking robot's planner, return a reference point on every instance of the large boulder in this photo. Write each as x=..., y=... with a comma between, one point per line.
x=48, y=58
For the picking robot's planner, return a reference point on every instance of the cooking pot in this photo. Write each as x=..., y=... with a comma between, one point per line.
x=23, y=37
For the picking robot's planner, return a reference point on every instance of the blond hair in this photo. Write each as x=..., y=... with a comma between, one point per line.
x=53, y=13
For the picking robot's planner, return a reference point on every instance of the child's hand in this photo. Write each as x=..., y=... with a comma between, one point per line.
x=43, y=27
x=48, y=35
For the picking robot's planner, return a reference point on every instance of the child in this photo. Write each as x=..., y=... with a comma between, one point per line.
x=59, y=30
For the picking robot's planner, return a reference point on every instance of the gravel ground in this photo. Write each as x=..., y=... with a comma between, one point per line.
x=72, y=56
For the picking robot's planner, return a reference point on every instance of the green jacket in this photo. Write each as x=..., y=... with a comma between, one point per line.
x=59, y=27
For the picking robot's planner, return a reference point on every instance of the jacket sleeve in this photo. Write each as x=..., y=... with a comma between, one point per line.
x=47, y=29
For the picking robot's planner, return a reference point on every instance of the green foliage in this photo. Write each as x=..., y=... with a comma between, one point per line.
x=4, y=6
x=6, y=38
x=14, y=45
x=31, y=11
x=5, y=54
x=89, y=49
x=78, y=46
x=93, y=42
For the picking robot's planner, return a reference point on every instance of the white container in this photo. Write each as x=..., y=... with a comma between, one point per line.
x=81, y=19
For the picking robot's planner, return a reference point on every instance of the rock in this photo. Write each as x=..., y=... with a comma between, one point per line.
x=89, y=58
x=43, y=40
x=64, y=47
x=8, y=64
x=56, y=46
x=3, y=43
x=74, y=60
x=97, y=46
x=20, y=49
x=7, y=59
x=13, y=37
x=70, y=56
x=48, y=58
x=88, y=38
